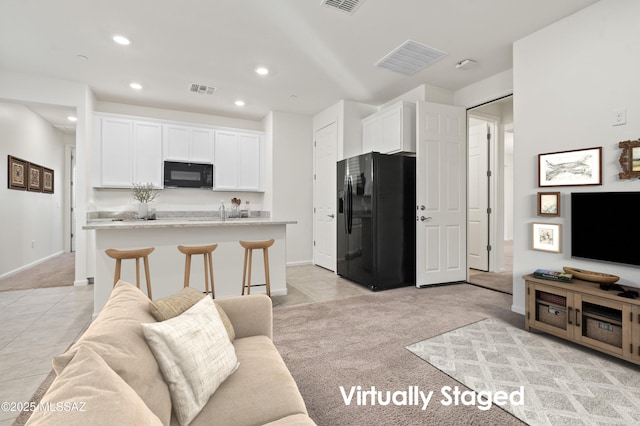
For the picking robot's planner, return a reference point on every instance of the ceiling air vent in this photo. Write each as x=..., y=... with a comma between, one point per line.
x=348, y=6
x=202, y=89
x=410, y=57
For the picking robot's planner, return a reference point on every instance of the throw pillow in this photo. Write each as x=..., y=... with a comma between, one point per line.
x=89, y=392
x=194, y=354
x=174, y=305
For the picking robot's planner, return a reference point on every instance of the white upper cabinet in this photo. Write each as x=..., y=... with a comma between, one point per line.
x=390, y=130
x=238, y=165
x=131, y=150
x=126, y=152
x=188, y=143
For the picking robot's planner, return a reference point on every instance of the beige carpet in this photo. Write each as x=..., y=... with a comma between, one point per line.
x=360, y=341
x=58, y=271
x=561, y=383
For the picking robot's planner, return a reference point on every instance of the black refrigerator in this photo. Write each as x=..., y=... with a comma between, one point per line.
x=376, y=220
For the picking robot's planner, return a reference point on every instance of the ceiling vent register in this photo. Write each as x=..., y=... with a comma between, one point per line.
x=410, y=57
x=348, y=6
x=202, y=89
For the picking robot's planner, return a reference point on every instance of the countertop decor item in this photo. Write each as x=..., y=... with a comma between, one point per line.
x=596, y=277
x=144, y=193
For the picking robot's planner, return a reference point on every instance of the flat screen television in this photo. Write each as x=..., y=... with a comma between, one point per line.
x=604, y=225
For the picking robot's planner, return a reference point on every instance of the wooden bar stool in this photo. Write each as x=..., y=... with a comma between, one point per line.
x=249, y=246
x=208, y=264
x=119, y=255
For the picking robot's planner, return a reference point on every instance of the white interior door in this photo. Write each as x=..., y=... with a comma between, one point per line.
x=324, y=241
x=441, y=194
x=478, y=223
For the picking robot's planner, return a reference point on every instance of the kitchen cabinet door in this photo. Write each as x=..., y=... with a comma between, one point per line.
x=238, y=161
x=114, y=159
x=185, y=143
x=391, y=130
x=147, y=153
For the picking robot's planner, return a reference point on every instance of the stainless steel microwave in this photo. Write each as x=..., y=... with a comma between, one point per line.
x=179, y=174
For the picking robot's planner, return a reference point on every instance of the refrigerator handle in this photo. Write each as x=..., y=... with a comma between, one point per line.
x=350, y=207
x=346, y=204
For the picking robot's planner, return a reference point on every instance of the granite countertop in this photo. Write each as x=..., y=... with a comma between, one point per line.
x=106, y=223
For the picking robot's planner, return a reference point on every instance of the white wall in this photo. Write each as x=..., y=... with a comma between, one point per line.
x=32, y=88
x=568, y=79
x=25, y=216
x=292, y=181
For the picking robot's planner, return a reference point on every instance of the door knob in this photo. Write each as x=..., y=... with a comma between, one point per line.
x=422, y=207
x=425, y=219
x=331, y=215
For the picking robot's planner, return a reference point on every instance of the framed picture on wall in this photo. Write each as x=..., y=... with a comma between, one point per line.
x=17, y=173
x=546, y=237
x=570, y=168
x=47, y=180
x=548, y=204
x=34, y=178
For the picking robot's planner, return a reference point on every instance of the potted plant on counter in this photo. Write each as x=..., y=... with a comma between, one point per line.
x=144, y=193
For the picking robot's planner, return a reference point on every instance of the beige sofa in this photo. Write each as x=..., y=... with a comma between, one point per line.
x=110, y=376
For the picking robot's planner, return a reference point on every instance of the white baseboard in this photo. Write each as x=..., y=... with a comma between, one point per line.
x=300, y=263
x=79, y=283
x=30, y=265
x=517, y=309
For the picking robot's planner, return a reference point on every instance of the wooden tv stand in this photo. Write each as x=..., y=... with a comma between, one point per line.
x=585, y=314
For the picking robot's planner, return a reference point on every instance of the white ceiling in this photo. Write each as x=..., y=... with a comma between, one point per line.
x=317, y=55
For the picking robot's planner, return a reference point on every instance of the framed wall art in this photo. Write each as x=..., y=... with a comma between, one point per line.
x=34, y=177
x=546, y=237
x=570, y=168
x=629, y=159
x=548, y=204
x=17, y=171
x=47, y=180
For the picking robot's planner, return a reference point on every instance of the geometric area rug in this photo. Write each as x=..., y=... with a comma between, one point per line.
x=560, y=382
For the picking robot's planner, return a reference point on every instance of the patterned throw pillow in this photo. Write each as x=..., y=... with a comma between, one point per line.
x=176, y=304
x=194, y=354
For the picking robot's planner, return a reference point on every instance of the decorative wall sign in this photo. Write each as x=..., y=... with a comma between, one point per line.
x=34, y=178
x=630, y=159
x=546, y=236
x=548, y=204
x=47, y=180
x=569, y=168
x=17, y=171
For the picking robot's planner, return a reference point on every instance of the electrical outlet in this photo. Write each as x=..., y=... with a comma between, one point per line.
x=619, y=117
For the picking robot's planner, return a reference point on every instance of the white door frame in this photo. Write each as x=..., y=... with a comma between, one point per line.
x=496, y=188
x=322, y=212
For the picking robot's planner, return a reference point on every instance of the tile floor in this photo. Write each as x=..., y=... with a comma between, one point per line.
x=41, y=323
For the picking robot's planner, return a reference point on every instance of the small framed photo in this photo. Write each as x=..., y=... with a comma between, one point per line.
x=570, y=168
x=34, y=178
x=630, y=159
x=17, y=171
x=548, y=204
x=546, y=236
x=47, y=180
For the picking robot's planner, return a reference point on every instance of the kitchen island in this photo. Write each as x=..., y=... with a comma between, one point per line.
x=167, y=264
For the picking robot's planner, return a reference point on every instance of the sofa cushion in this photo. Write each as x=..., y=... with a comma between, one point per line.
x=116, y=336
x=195, y=356
x=294, y=420
x=176, y=304
x=89, y=392
x=262, y=390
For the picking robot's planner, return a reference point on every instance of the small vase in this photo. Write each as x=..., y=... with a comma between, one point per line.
x=143, y=210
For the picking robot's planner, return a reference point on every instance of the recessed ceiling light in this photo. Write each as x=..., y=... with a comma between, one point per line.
x=135, y=86
x=121, y=40
x=72, y=118
x=262, y=70
x=239, y=103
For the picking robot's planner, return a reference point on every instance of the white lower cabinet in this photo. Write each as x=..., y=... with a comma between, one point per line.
x=238, y=161
x=126, y=152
